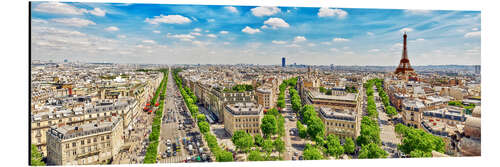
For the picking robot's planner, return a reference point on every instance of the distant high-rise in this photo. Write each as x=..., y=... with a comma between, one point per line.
x=283, y=62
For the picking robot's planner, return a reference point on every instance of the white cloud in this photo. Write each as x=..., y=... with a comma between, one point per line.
x=195, y=33
x=299, y=39
x=406, y=30
x=275, y=23
x=327, y=12
x=370, y=33
x=334, y=49
x=59, y=8
x=197, y=29
x=77, y=22
x=182, y=37
x=148, y=42
x=293, y=46
x=231, y=9
x=212, y=35
x=326, y=43
x=374, y=50
x=98, y=12
x=223, y=32
x=311, y=44
x=199, y=43
x=39, y=21
x=168, y=19
x=417, y=12
x=112, y=28
x=211, y=20
x=475, y=29
x=397, y=46
x=420, y=39
x=64, y=8
x=121, y=36
x=340, y=40
x=250, y=30
x=226, y=43
x=156, y=32
x=473, y=34
x=265, y=11
x=279, y=42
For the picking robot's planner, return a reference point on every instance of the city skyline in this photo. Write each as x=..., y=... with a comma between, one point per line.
x=180, y=34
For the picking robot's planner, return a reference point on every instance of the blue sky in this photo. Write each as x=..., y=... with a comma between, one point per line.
x=192, y=34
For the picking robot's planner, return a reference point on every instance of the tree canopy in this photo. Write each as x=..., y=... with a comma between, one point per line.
x=418, y=141
x=269, y=125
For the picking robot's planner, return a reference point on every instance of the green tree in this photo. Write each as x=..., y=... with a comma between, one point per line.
x=328, y=92
x=281, y=104
x=204, y=126
x=242, y=140
x=312, y=153
x=255, y=156
x=316, y=127
x=258, y=140
x=267, y=146
x=418, y=139
x=420, y=154
x=370, y=132
x=302, y=130
x=371, y=151
x=201, y=117
x=273, y=111
x=322, y=89
x=349, y=146
x=334, y=147
x=268, y=125
x=280, y=122
x=279, y=145
x=224, y=156
x=36, y=157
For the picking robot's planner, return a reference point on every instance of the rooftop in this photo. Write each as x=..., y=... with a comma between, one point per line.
x=340, y=114
x=244, y=109
x=69, y=132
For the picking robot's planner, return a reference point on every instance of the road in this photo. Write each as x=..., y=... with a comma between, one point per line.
x=387, y=133
x=293, y=143
x=170, y=123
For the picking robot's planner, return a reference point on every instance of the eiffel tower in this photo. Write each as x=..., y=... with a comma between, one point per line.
x=404, y=64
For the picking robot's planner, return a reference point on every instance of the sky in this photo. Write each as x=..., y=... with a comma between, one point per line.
x=201, y=34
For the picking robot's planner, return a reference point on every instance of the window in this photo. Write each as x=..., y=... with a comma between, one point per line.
x=95, y=139
x=67, y=146
x=88, y=141
x=102, y=138
x=74, y=144
x=38, y=124
x=82, y=142
x=107, y=136
x=50, y=122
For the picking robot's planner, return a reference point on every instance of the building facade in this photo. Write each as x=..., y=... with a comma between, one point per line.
x=243, y=116
x=90, y=143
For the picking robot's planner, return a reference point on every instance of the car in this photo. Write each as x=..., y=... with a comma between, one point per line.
x=293, y=158
x=175, y=153
x=169, y=142
x=169, y=154
x=301, y=158
x=296, y=153
x=164, y=155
